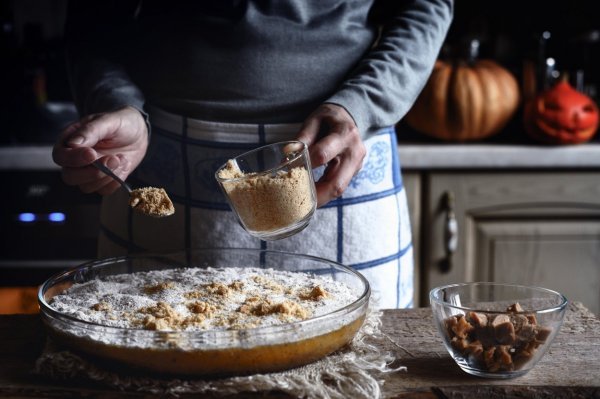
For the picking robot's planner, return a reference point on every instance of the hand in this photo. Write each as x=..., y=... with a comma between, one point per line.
x=340, y=148
x=119, y=139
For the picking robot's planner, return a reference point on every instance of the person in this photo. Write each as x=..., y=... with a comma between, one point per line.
x=168, y=91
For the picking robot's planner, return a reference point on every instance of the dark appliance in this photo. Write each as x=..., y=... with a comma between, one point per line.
x=45, y=225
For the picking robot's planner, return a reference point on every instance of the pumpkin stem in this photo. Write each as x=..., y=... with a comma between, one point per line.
x=473, y=52
x=466, y=51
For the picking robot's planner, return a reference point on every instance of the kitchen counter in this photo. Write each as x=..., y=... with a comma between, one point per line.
x=418, y=156
x=498, y=156
x=569, y=369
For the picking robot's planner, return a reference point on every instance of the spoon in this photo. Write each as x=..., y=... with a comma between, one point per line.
x=112, y=174
x=150, y=200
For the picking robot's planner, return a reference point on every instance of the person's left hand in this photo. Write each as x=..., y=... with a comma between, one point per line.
x=340, y=148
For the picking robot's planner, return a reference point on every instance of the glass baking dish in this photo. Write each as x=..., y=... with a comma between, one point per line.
x=208, y=352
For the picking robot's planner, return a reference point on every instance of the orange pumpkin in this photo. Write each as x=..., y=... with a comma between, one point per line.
x=465, y=102
x=561, y=115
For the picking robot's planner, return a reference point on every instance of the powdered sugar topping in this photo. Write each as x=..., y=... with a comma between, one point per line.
x=198, y=299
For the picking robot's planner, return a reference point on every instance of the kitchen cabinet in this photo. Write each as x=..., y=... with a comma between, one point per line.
x=532, y=227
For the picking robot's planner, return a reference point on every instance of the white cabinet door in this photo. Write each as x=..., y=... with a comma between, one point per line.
x=530, y=228
x=562, y=255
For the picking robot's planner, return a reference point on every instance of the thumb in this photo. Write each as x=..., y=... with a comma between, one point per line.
x=310, y=130
x=91, y=132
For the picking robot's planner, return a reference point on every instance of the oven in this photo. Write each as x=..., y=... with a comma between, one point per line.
x=45, y=225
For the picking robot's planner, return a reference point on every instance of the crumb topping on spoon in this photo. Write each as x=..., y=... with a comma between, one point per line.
x=151, y=201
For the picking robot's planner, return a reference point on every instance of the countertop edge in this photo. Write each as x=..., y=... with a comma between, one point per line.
x=498, y=156
x=412, y=157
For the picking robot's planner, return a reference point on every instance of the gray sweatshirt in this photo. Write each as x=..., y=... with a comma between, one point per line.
x=255, y=61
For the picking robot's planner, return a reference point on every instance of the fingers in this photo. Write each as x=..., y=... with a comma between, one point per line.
x=92, y=130
x=119, y=139
x=70, y=129
x=75, y=145
x=90, y=179
x=341, y=149
x=329, y=187
x=66, y=156
x=310, y=129
x=337, y=177
x=73, y=157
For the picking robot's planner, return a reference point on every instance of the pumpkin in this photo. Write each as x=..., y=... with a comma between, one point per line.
x=465, y=101
x=561, y=115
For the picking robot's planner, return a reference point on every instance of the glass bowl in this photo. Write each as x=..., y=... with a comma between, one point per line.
x=214, y=351
x=271, y=189
x=497, y=330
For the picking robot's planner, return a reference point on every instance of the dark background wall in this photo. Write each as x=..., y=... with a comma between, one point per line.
x=511, y=31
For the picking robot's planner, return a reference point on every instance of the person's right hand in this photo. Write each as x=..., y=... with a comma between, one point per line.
x=119, y=139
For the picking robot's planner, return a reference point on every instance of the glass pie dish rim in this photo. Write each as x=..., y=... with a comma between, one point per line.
x=67, y=275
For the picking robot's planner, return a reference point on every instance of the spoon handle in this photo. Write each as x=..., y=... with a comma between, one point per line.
x=110, y=173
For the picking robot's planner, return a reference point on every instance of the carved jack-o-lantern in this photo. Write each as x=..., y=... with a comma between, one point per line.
x=561, y=115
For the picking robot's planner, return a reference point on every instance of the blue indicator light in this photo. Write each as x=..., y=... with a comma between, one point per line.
x=27, y=217
x=57, y=217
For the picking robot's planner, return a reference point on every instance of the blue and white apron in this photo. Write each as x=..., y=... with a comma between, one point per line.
x=367, y=228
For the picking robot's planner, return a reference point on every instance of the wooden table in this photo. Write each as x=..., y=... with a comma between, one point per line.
x=571, y=368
